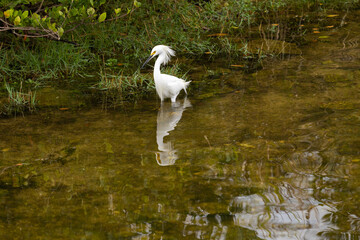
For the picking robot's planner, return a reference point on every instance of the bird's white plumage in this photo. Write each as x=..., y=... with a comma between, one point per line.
x=167, y=86
x=167, y=51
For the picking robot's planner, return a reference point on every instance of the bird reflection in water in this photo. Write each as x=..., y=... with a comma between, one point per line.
x=168, y=117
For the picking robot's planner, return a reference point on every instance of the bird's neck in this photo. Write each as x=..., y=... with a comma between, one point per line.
x=158, y=63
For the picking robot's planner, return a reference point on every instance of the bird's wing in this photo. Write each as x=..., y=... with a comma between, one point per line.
x=175, y=84
x=173, y=81
x=171, y=78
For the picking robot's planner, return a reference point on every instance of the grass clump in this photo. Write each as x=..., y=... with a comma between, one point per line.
x=42, y=60
x=17, y=102
x=117, y=87
x=132, y=85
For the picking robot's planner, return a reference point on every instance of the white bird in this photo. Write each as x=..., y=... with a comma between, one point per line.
x=167, y=86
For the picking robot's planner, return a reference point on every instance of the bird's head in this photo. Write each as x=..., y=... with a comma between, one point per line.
x=160, y=50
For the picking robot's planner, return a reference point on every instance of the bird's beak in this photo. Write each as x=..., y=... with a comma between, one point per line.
x=147, y=60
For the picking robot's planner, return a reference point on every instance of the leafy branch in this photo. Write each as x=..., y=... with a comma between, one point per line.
x=49, y=21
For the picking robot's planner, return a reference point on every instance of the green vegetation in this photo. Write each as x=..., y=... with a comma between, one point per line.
x=117, y=87
x=17, y=102
x=48, y=42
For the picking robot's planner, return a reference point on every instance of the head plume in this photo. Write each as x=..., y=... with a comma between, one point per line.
x=165, y=50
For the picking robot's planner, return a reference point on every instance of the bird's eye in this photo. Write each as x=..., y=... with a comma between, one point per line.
x=153, y=53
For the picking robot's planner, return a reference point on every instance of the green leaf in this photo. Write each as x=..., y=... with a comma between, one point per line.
x=117, y=11
x=102, y=17
x=8, y=13
x=17, y=21
x=91, y=2
x=25, y=14
x=60, y=31
x=137, y=4
x=36, y=16
x=74, y=12
x=51, y=26
x=82, y=11
x=35, y=19
x=90, y=11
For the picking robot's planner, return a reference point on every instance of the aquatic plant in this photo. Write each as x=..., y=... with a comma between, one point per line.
x=18, y=101
x=117, y=87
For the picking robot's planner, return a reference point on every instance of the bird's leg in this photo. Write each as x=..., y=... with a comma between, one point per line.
x=175, y=104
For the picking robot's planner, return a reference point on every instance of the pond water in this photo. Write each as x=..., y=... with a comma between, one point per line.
x=272, y=155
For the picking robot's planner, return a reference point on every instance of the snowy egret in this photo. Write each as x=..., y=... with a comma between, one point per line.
x=167, y=86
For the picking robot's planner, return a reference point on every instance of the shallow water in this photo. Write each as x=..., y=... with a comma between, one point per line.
x=276, y=156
